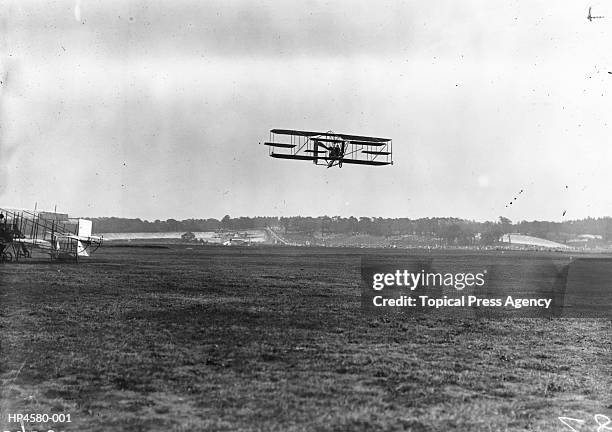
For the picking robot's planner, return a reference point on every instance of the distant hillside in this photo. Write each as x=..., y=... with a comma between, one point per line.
x=442, y=231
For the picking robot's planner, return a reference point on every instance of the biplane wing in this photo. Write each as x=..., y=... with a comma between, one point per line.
x=364, y=162
x=295, y=132
x=330, y=148
x=39, y=243
x=344, y=160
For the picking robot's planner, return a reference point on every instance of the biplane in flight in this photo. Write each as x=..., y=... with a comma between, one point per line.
x=591, y=17
x=23, y=232
x=330, y=148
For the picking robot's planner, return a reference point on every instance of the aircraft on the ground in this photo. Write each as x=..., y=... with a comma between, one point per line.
x=22, y=232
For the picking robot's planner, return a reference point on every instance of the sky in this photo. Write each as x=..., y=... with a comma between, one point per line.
x=156, y=109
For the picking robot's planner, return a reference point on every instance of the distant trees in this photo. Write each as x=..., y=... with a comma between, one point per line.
x=447, y=230
x=505, y=224
x=121, y=225
x=491, y=236
x=226, y=222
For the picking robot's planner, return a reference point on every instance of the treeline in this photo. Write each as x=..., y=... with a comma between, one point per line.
x=453, y=230
x=123, y=225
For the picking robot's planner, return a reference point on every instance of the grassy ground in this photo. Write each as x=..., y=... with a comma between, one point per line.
x=274, y=339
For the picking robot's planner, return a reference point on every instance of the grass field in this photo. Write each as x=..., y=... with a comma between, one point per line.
x=274, y=339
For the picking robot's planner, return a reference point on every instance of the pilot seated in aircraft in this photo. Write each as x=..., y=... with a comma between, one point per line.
x=3, y=230
x=6, y=231
x=334, y=152
x=5, y=234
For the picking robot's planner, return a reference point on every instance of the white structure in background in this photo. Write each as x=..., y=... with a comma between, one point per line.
x=525, y=240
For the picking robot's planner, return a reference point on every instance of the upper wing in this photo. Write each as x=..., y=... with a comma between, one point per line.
x=365, y=139
x=296, y=132
x=345, y=137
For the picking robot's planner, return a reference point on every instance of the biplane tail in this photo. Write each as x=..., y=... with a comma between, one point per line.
x=80, y=243
x=84, y=238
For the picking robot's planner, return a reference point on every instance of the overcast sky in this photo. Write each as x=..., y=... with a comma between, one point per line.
x=154, y=109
